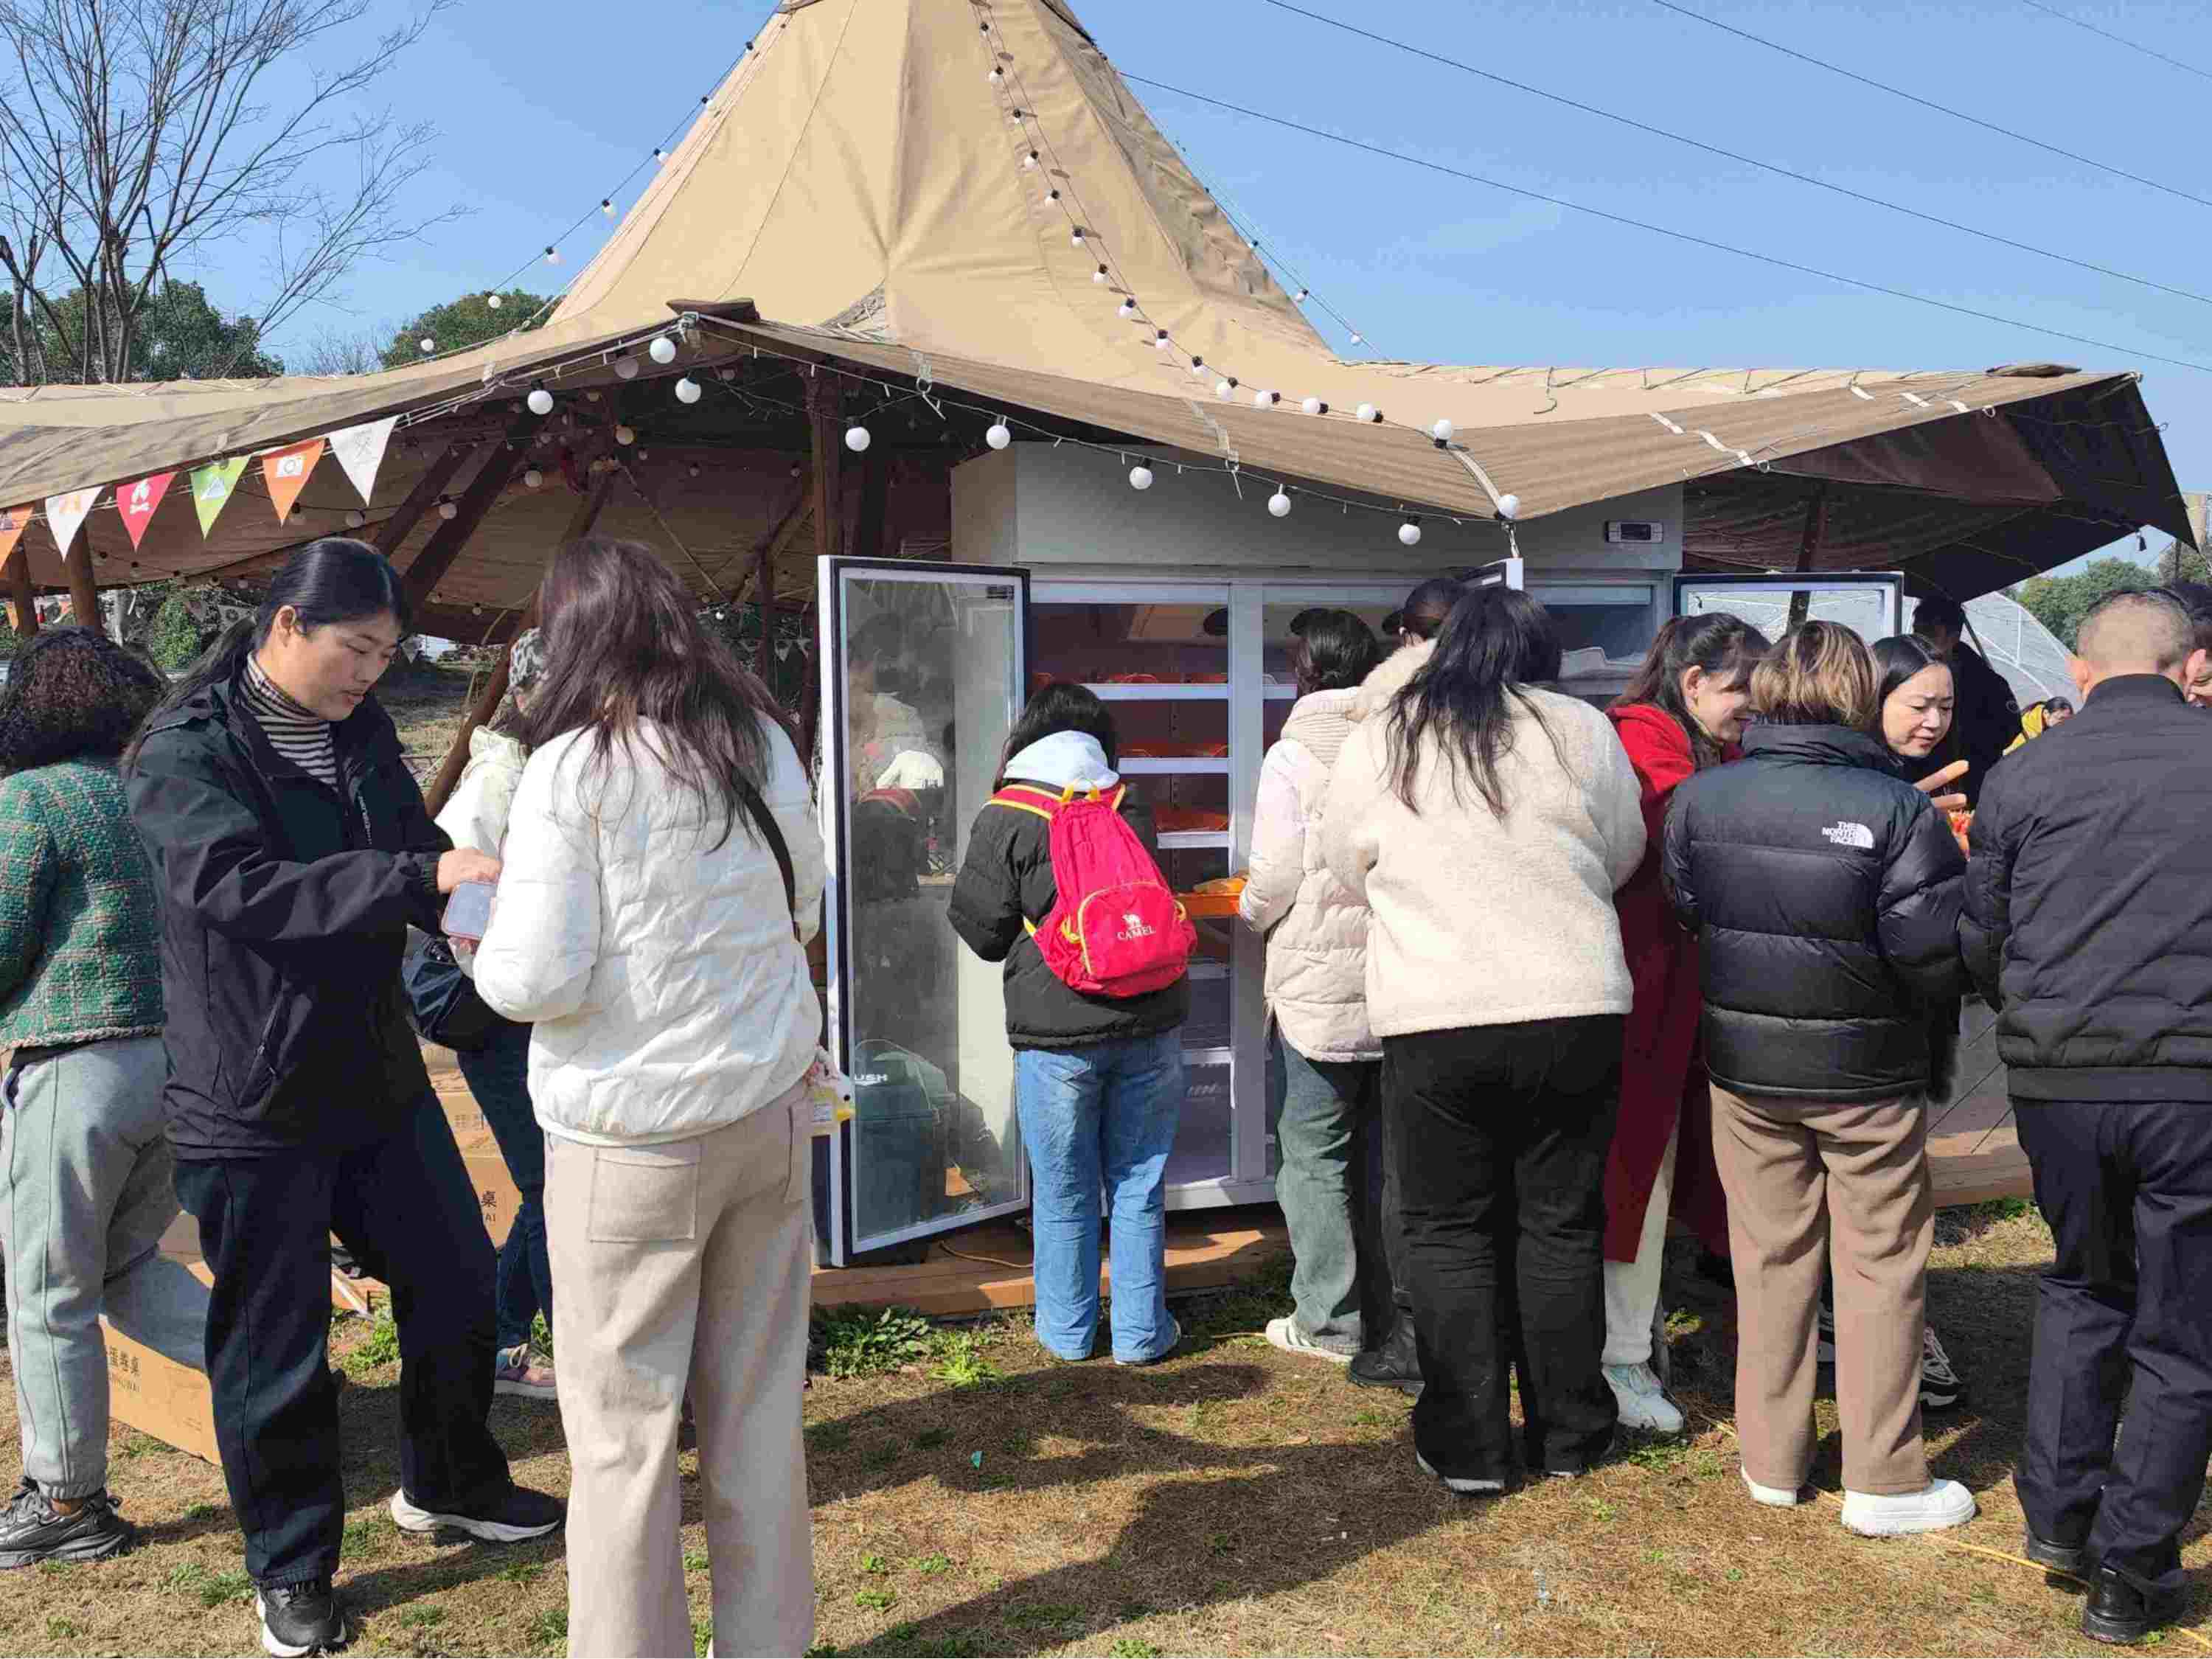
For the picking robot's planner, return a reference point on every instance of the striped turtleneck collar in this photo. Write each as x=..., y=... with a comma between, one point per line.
x=294, y=731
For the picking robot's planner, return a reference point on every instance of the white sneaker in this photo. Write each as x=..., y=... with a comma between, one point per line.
x=1644, y=1403
x=1284, y=1334
x=1775, y=1497
x=1937, y=1507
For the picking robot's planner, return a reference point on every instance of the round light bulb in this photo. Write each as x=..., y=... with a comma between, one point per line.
x=624, y=435
x=998, y=77
x=644, y=455
x=1128, y=308
x=1140, y=477
x=1509, y=506
x=607, y=206
x=591, y=396
x=1302, y=293
x=1030, y=162
x=494, y=301
x=726, y=372
x=540, y=400
x=625, y=368
x=662, y=351
x=356, y=518
x=532, y=478
x=1075, y=238
x=694, y=471
x=688, y=390
x=448, y=511
x=1314, y=406
x=1099, y=276
x=999, y=435
x=1223, y=389
x=1410, y=533
x=1160, y=341
x=552, y=257
x=1280, y=505
x=1263, y=400
x=858, y=438
x=1441, y=431
x=1360, y=339
x=427, y=343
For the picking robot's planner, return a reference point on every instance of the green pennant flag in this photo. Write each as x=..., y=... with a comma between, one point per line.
x=211, y=487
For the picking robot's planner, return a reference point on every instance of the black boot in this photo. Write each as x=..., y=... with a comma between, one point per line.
x=2122, y=1611
x=2059, y=1558
x=1395, y=1364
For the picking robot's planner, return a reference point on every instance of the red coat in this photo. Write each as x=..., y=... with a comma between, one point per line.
x=1663, y=1077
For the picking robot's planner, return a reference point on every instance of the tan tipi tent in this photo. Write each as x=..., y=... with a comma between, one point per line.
x=965, y=199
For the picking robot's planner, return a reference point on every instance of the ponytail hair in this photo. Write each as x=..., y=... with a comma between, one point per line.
x=336, y=580
x=1723, y=646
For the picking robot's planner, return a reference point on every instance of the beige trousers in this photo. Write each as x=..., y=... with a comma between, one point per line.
x=1808, y=1182
x=686, y=1264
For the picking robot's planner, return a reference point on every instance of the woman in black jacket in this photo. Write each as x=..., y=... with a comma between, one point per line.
x=291, y=850
x=1825, y=891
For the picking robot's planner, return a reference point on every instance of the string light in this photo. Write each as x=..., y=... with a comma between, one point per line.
x=688, y=390
x=1509, y=506
x=1226, y=388
x=1370, y=414
x=662, y=351
x=658, y=154
x=1128, y=308
x=998, y=435
x=607, y=206
x=1279, y=504
x=552, y=257
x=1441, y=432
x=625, y=435
x=1030, y=162
x=448, y=509
x=356, y=518
x=625, y=368
x=1076, y=237
x=1410, y=532
x=1099, y=276
x=540, y=400
x=532, y=478
x=427, y=344
x=1314, y=406
x=494, y=301
x=1140, y=477
x=1266, y=399
x=856, y=439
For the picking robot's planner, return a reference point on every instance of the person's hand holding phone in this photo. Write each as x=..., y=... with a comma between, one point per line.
x=465, y=864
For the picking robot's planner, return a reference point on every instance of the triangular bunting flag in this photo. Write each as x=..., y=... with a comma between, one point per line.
x=136, y=502
x=12, y=522
x=66, y=514
x=359, y=450
x=211, y=487
x=287, y=471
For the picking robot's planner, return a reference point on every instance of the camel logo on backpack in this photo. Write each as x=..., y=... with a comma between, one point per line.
x=1102, y=874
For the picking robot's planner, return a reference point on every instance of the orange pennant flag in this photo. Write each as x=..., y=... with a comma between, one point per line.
x=286, y=472
x=136, y=502
x=13, y=523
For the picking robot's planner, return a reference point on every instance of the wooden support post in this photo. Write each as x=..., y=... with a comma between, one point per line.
x=825, y=401
x=875, y=497
x=447, y=541
x=1816, y=528
x=420, y=500
x=22, y=598
x=84, y=590
x=773, y=547
x=495, y=692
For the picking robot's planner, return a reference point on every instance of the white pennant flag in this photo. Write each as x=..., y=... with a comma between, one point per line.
x=65, y=515
x=359, y=450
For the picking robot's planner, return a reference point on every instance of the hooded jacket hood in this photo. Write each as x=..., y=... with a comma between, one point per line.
x=1321, y=720
x=1064, y=760
x=1390, y=678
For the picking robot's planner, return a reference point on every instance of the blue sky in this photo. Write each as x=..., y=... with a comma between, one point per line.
x=541, y=119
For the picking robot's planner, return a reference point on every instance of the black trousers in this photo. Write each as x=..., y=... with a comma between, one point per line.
x=1383, y=1300
x=1498, y=1137
x=2126, y=1305
x=404, y=1208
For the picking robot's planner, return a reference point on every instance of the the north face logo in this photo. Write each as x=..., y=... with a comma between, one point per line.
x=1851, y=834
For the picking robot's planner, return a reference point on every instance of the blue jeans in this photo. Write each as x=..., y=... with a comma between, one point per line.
x=1330, y=1186
x=1101, y=1114
x=499, y=1077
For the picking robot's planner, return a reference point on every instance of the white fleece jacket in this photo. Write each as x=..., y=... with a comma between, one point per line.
x=475, y=813
x=1479, y=920
x=668, y=995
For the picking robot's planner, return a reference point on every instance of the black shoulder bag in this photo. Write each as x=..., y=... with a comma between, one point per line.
x=442, y=1004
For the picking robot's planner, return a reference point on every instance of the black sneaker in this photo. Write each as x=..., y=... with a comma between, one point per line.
x=2059, y=1558
x=516, y=1514
x=33, y=1530
x=300, y=1619
x=1395, y=1364
x=2122, y=1611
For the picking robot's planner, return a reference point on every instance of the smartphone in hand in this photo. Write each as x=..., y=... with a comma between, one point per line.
x=468, y=913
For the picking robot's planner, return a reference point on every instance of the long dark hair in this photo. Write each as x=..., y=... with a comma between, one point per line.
x=336, y=580
x=1336, y=650
x=1726, y=647
x=625, y=645
x=72, y=692
x=1495, y=641
x=1429, y=606
x=1063, y=706
x=1897, y=660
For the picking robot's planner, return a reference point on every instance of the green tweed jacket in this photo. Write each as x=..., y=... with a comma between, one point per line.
x=79, y=921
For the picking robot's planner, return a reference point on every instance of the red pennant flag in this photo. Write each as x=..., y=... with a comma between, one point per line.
x=136, y=503
x=286, y=472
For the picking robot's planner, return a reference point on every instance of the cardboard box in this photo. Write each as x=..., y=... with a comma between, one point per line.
x=495, y=1190
x=156, y=1395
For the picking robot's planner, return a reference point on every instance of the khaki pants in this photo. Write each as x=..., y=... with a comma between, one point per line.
x=686, y=1264
x=1806, y=1181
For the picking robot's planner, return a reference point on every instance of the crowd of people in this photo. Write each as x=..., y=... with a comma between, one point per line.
x=1540, y=978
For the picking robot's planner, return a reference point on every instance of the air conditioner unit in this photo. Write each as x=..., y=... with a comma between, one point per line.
x=1643, y=532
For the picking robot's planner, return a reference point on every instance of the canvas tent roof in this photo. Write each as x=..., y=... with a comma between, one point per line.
x=859, y=180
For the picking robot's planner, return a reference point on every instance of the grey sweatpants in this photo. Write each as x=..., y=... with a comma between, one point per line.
x=85, y=1196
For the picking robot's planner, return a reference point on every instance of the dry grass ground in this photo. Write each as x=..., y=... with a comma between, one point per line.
x=1234, y=1500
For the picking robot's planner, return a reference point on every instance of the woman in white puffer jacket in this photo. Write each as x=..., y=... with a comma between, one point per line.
x=1330, y=1062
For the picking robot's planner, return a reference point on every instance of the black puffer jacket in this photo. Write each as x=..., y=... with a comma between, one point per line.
x=2088, y=923
x=285, y=906
x=1005, y=880
x=1825, y=891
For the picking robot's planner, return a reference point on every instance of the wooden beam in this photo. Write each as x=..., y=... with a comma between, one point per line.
x=420, y=500
x=487, y=703
x=22, y=598
x=825, y=400
x=1816, y=530
x=430, y=565
x=84, y=590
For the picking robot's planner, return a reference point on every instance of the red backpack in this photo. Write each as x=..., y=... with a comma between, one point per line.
x=1114, y=929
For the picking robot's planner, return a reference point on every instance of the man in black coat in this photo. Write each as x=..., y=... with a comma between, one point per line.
x=1987, y=715
x=2088, y=926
